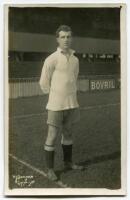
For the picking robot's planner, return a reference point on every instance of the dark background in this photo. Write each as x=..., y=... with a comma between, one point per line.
x=102, y=23
x=85, y=22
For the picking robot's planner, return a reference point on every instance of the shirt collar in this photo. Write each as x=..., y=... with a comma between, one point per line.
x=70, y=50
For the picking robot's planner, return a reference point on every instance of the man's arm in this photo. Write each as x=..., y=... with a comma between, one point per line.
x=77, y=69
x=46, y=75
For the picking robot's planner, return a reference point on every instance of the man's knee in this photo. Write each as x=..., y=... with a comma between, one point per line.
x=66, y=136
x=52, y=134
x=67, y=133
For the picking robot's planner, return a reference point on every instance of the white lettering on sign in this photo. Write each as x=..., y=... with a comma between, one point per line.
x=102, y=56
x=102, y=84
x=109, y=56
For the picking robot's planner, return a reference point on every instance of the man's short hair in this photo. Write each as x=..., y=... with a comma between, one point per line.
x=63, y=28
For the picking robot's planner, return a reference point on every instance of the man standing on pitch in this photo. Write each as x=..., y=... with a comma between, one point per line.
x=59, y=79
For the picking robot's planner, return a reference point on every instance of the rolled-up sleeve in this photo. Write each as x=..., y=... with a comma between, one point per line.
x=46, y=75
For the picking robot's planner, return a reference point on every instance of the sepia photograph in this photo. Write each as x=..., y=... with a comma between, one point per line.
x=64, y=79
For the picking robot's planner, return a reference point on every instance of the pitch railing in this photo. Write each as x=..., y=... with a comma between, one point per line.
x=25, y=87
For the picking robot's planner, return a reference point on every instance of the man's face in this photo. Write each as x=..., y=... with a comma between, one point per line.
x=64, y=40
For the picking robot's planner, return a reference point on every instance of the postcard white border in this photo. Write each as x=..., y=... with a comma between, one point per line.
x=71, y=191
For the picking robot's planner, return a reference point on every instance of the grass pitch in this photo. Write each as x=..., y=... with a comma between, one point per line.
x=96, y=142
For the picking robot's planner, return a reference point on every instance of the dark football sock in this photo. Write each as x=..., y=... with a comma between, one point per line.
x=49, y=158
x=67, y=153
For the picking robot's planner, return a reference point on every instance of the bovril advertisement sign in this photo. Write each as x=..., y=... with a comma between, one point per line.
x=102, y=84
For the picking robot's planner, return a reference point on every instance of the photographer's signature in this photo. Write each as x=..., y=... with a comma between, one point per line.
x=23, y=181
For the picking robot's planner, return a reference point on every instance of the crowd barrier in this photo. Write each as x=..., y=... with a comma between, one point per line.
x=26, y=87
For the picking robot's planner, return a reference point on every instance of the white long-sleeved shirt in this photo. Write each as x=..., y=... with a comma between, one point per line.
x=59, y=79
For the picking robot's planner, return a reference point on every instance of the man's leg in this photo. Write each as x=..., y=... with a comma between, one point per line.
x=67, y=145
x=49, y=151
